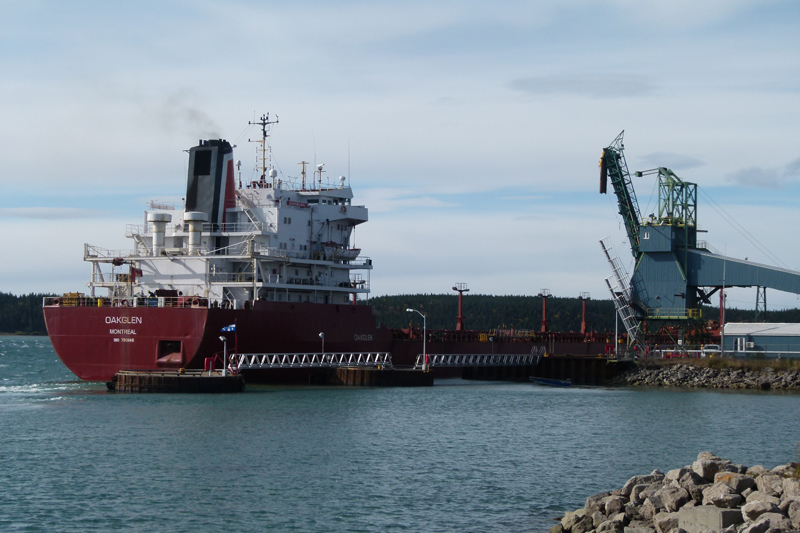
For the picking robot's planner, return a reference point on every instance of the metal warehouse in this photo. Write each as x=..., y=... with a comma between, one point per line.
x=762, y=340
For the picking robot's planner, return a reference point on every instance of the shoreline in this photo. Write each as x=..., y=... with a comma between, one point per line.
x=755, y=375
x=710, y=495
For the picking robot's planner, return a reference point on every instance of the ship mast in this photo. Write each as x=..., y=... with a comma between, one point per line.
x=264, y=122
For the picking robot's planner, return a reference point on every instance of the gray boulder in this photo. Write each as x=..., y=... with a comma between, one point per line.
x=583, y=525
x=670, y=498
x=593, y=502
x=721, y=495
x=611, y=526
x=639, y=526
x=637, y=494
x=707, y=456
x=785, y=470
x=612, y=505
x=558, y=528
x=738, y=482
x=772, y=484
x=694, y=485
x=653, y=477
x=758, y=496
x=794, y=513
x=648, y=510
x=772, y=522
x=646, y=492
x=785, y=504
x=706, y=469
x=665, y=522
x=677, y=474
x=756, y=470
x=708, y=464
x=632, y=511
x=791, y=489
x=571, y=518
x=751, y=511
x=741, y=469
x=598, y=518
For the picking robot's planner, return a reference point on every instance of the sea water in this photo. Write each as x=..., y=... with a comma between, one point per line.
x=458, y=456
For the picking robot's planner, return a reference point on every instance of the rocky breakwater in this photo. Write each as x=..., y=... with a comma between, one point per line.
x=710, y=495
x=689, y=375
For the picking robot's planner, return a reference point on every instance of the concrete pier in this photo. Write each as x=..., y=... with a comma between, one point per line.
x=195, y=381
x=579, y=370
x=372, y=377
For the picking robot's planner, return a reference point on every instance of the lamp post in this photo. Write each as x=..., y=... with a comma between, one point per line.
x=322, y=336
x=491, y=339
x=424, y=338
x=224, y=355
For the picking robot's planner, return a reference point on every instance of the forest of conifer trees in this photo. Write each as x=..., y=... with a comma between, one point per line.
x=23, y=314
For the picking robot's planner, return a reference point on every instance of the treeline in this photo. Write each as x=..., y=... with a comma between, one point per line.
x=22, y=314
x=483, y=312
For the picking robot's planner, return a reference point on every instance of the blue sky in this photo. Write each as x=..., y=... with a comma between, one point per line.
x=473, y=128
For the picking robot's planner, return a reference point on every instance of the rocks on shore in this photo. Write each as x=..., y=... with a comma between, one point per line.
x=710, y=495
x=687, y=375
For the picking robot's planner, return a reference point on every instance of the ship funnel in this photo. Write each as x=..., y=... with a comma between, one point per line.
x=195, y=219
x=159, y=221
x=210, y=184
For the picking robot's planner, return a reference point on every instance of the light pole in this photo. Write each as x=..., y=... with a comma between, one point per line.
x=491, y=339
x=224, y=355
x=424, y=338
x=322, y=336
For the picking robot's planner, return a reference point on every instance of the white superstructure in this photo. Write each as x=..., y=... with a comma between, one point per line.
x=232, y=245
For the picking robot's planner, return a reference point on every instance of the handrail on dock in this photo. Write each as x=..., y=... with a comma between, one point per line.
x=254, y=361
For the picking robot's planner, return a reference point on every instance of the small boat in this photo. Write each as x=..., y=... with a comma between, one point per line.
x=551, y=382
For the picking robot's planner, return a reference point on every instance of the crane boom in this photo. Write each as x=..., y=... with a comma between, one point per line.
x=613, y=166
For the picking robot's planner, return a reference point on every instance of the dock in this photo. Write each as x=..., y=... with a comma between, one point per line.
x=372, y=377
x=186, y=381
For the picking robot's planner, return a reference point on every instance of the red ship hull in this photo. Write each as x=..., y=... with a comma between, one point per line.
x=97, y=342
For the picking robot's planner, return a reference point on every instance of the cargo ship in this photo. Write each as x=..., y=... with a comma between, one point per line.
x=271, y=261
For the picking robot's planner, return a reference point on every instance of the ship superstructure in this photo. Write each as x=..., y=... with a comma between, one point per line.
x=230, y=245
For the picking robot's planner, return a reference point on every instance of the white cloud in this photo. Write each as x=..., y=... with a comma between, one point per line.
x=767, y=177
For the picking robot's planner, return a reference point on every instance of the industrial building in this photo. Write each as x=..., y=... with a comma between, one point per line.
x=762, y=340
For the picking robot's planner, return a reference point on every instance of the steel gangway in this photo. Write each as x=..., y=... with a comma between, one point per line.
x=246, y=205
x=255, y=361
x=484, y=359
x=620, y=291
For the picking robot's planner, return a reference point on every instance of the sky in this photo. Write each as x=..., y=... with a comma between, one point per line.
x=470, y=130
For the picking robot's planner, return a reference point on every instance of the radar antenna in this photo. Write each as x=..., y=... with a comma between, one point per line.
x=264, y=122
